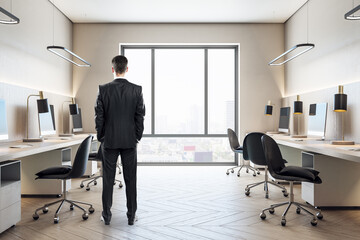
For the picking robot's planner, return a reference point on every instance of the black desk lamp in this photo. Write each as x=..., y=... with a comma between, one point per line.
x=340, y=105
x=73, y=109
x=298, y=110
x=43, y=107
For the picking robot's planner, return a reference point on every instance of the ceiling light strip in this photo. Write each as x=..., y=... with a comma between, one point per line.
x=13, y=19
x=53, y=50
x=308, y=46
x=349, y=15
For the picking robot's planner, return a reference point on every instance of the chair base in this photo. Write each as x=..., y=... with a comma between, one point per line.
x=248, y=167
x=266, y=182
x=299, y=207
x=72, y=203
x=93, y=179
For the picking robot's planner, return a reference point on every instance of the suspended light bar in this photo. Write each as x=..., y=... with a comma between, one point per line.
x=54, y=48
x=349, y=15
x=13, y=19
x=308, y=46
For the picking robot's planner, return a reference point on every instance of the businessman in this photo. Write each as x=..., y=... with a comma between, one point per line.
x=119, y=120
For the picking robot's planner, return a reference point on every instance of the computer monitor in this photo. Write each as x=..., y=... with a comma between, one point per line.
x=77, y=122
x=317, y=120
x=46, y=123
x=284, y=119
x=3, y=121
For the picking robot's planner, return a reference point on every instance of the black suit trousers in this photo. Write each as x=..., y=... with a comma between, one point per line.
x=129, y=164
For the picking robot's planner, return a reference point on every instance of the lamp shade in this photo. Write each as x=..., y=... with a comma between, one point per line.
x=298, y=107
x=340, y=101
x=268, y=110
x=74, y=109
x=42, y=105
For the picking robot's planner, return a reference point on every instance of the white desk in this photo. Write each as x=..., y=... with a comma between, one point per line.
x=33, y=159
x=339, y=170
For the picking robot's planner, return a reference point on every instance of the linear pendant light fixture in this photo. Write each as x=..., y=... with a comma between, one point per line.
x=13, y=19
x=350, y=14
x=306, y=46
x=58, y=50
x=54, y=49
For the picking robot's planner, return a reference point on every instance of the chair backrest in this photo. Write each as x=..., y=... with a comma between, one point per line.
x=273, y=155
x=233, y=139
x=252, y=148
x=81, y=158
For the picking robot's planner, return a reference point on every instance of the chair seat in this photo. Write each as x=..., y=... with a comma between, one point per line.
x=94, y=157
x=60, y=172
x=294, y=173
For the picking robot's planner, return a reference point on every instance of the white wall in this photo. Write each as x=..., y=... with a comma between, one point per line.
x=335, y=59
x=27, y=67
x=24, y=59
x=259, y=43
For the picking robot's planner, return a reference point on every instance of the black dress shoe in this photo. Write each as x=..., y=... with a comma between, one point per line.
x=132, y=220
x=103, y=220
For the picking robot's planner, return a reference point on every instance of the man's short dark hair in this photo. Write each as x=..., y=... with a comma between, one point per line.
x=119, y=64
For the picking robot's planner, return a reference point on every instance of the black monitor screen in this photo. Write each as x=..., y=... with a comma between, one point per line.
x=284, y=119
x=53, y=116
x=3, y=121
x=77, y=122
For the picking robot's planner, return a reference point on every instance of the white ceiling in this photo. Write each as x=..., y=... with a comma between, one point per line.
x=178, y=11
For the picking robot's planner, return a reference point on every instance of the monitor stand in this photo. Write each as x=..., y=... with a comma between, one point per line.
x=66, y=135
x=342, y=142
x=298, y=136
x=33, y=139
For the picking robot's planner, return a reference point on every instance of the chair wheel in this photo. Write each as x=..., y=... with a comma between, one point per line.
x=232, y=171
x=283, y=222
x=35, y=216
x=286, y=194
x=247, y=193
x=81, y=185
x=91, y=210
x=88, y=189
x=313, y=222
x=71, y=207
x=254, y=175
x=319, y=215
x=238, y=174
x=298, y=210
x=45, y=210
x=271, y=210
x=85, y=216
x=262, y=215
x=247, y=170
x=284, y=191
x=120, y=185
x=266, y=195
x=258, y=173
x=227, y=173
x=114, y=183
x=95, y=182
x=56, y=220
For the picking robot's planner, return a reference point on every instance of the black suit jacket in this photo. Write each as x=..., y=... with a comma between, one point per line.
x=119, y=114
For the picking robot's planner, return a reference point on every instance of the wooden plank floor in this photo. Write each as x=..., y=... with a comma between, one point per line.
x=184, y=203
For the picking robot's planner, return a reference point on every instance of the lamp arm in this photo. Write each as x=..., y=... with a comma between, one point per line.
x=27, y=113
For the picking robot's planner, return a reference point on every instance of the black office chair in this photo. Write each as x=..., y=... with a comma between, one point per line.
x=236, y=148
x=253, y=150
x=67, y=172
x=291, y=173
x=95, y=157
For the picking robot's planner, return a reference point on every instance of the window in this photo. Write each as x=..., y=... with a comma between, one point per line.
x=190, y=93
